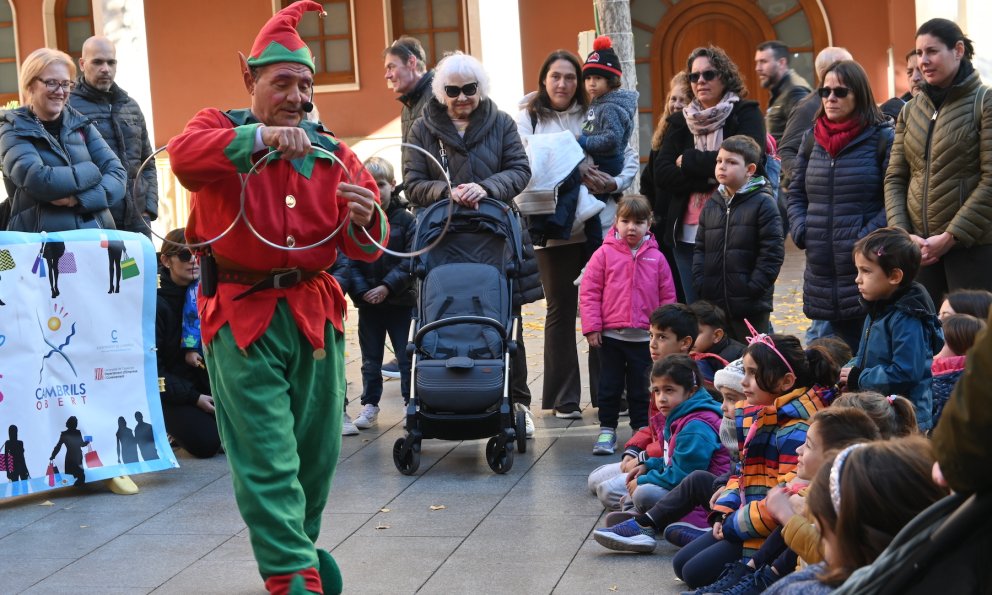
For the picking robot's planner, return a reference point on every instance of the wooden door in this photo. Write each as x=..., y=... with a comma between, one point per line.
x=735, y=26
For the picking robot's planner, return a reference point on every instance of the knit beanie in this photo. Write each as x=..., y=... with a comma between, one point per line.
x=603, y=60
x=731, y=376
x=278, y=40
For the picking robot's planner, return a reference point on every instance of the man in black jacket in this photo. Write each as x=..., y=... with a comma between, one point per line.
x=787, y=88
x=119, y=119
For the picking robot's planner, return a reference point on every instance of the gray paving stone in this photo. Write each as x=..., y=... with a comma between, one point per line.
x=207, y=576
x=21, y=573
x=598, y=570
x=535, y=494
x=132, y=561
x=411, y=561
x=68, y=533
x=191, y=517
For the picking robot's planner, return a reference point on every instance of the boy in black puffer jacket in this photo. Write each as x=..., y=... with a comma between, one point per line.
x=739, y=244
x=384, y=293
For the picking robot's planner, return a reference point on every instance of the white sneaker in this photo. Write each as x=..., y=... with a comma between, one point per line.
x=367, y=418
x=348, y=427
x=528, y=420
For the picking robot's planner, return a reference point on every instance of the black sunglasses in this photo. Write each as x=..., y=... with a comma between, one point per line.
x=184, y=256
x=839, y=92
x=454, y=91
x=707, y=75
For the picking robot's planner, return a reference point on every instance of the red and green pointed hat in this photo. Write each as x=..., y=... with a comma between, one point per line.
x=278, y=40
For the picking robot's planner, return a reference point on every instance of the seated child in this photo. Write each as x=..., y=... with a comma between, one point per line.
x=673, y=330
x=975, y=302
x=860, y=499
x=901, y=333
x=832, y=429
x=625, y=280
x=893, y=415
x=739, y=245
x=960, y=331
x=778, y=381
x=713, y=338
x=691, y=433
x=692, y=495
x=610, y=119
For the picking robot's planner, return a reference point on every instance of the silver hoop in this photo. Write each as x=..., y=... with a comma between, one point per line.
x=243, y=214
x=447, y=221
x=134, y=191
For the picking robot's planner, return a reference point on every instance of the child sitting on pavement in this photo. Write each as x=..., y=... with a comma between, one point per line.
x=778, y=381
x=960, y=331
x=713, y=339
x=673, y=331
x=860, y=500
x=893, y=415
x=832, y=429
x=691, y=434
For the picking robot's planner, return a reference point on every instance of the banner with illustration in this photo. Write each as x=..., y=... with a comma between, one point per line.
x=79, y=398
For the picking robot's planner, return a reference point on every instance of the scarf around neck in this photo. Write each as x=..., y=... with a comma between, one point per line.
x=706, y=124
x=834, y=136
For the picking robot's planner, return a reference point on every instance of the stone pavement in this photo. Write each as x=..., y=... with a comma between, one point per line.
x=454, y=527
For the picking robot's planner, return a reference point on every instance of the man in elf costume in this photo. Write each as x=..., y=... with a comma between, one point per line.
x=272, y=329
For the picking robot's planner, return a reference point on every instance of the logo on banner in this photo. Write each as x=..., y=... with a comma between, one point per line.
x=54, y=325
x=98, y=374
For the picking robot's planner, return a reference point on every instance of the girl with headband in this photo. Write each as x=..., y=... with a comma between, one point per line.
x=779, y=381
x=860, y=500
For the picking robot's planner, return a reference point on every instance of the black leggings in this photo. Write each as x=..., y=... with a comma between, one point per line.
x=701, y=561
x=695, y=490
x=775, y=553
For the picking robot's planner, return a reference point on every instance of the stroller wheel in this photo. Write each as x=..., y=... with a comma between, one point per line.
x=521, y=432
x=500, y=459
x=406, y=460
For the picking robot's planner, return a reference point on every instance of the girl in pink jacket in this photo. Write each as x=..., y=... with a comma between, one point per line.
x=626, y=278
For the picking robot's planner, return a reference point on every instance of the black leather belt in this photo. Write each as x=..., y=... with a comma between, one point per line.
x=260, y=281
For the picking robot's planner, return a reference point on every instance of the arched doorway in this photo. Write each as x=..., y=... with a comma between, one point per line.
x=666, y=31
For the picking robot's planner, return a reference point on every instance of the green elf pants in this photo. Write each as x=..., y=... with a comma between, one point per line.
x=279, y=415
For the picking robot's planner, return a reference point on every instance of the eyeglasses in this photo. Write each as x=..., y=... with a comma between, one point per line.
x=454, y=91
x=184, y=256
x=53, y=84
x=707, y=75
x=839, y=92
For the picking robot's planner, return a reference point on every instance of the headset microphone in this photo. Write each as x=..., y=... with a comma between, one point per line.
x=307, y=106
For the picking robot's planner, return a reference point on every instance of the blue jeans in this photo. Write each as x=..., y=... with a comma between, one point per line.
x=623, y=364
x=848, y=331
x=374, y=323
x=683, y=262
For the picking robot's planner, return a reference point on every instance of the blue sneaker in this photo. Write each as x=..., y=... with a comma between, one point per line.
x=628, y=536
x=606, y=444
x=759, y=582
x=733, y=573
x=682, y=534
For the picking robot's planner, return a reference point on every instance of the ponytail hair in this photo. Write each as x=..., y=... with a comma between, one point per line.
x=813, y=366
x=682, y=369
x=894, y=416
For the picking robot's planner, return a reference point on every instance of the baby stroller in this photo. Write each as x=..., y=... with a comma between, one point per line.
x=462, y=336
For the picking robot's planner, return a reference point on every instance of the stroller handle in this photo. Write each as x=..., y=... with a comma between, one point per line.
x=433, y=326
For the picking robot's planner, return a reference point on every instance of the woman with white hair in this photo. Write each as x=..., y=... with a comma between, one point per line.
x=484, y=157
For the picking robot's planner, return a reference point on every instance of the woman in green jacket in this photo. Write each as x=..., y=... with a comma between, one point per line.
x=938, y=185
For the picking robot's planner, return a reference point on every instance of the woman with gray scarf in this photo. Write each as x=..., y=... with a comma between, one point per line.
x=684, y=169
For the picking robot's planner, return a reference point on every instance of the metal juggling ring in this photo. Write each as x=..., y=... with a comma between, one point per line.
x=243, y=214
x=447, y=221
